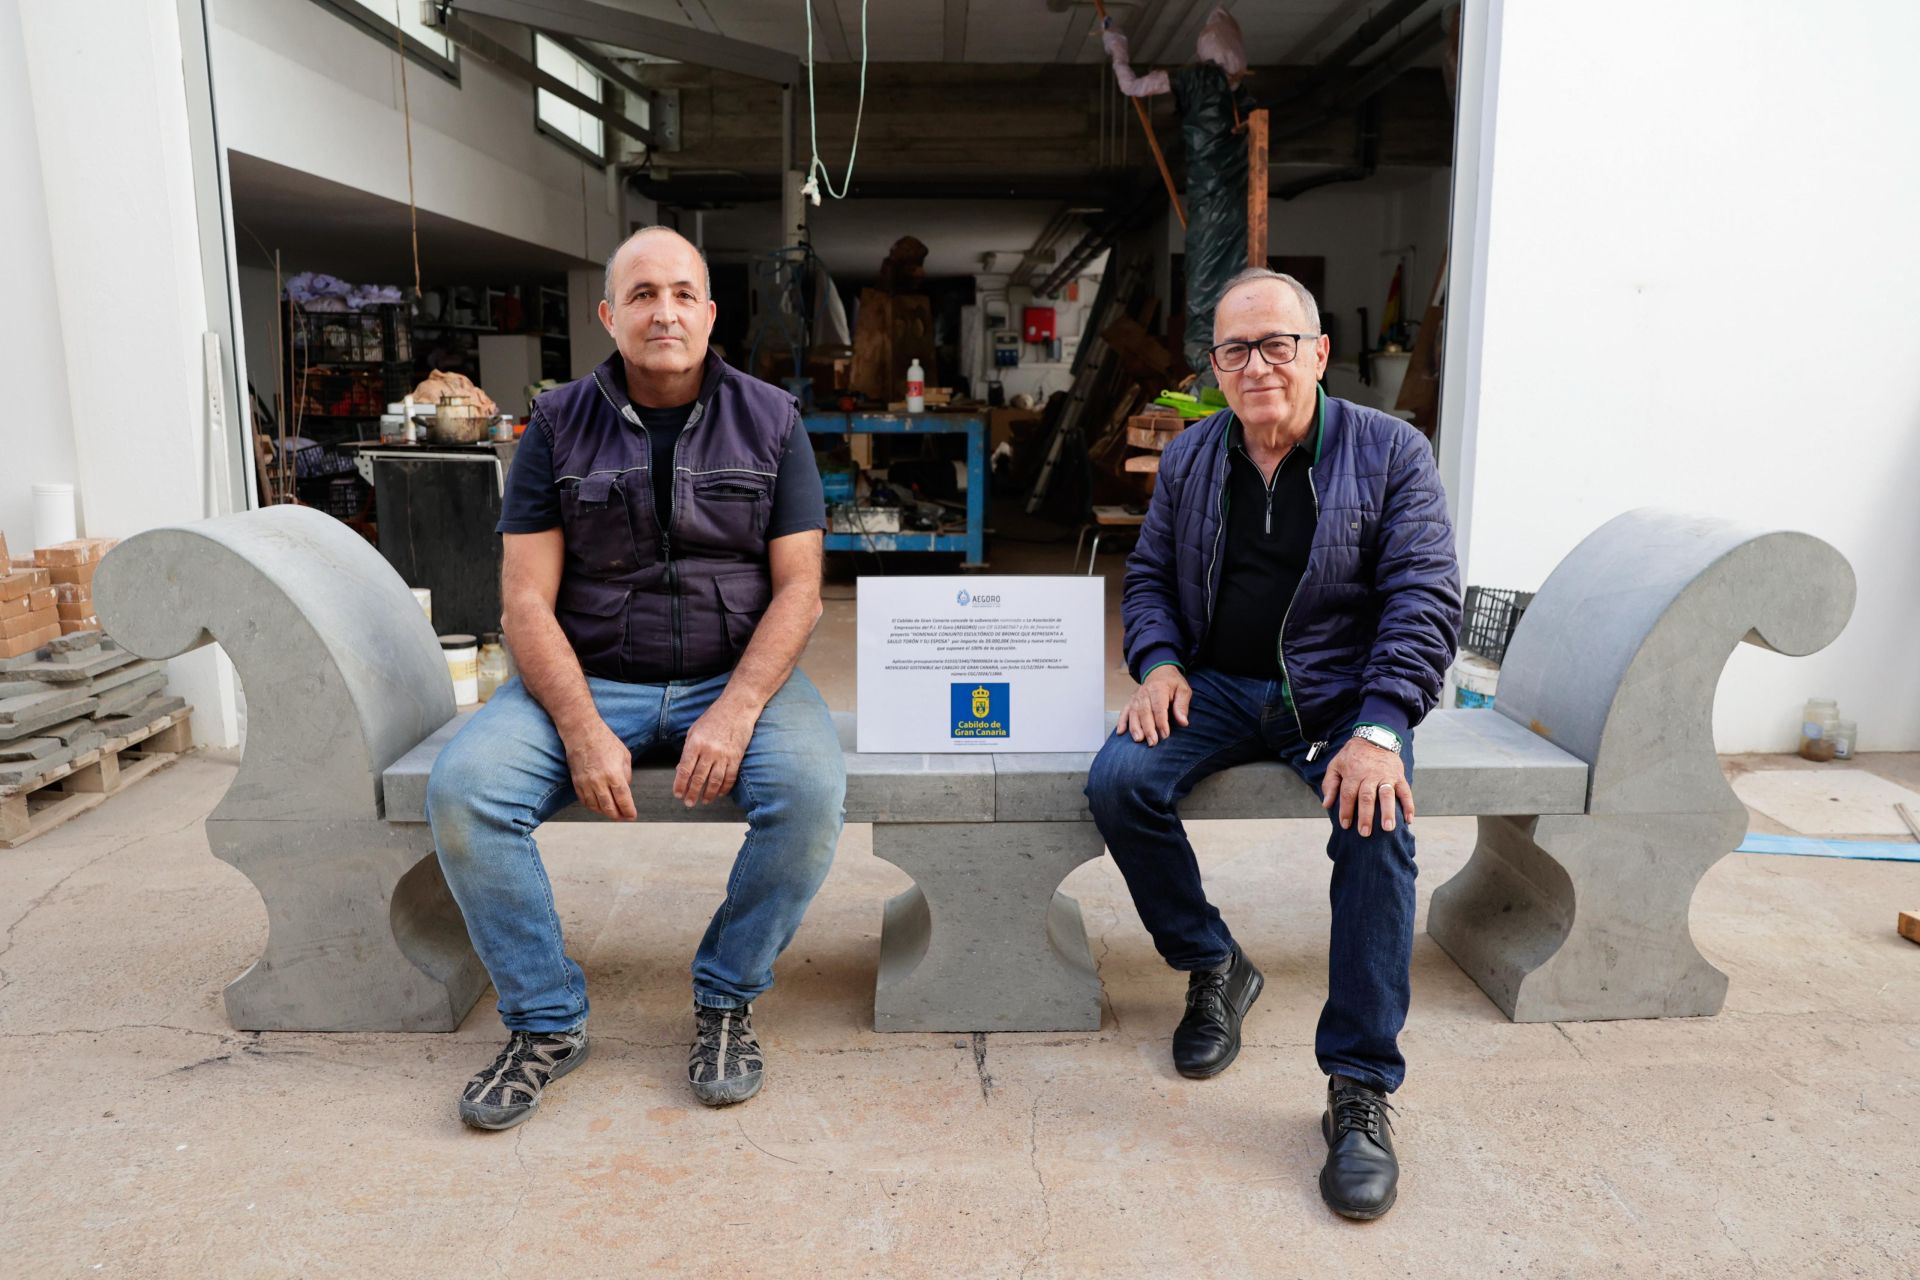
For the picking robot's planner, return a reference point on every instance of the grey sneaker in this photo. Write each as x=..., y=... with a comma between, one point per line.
x=506, y=1092
x=725, y=1064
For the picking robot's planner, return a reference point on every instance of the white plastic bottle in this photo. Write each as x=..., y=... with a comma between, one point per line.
x=916, y=387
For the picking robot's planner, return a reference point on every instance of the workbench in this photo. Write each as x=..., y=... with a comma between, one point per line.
x=973, y=543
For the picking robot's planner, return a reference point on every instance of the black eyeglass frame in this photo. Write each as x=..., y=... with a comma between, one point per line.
x=1213, y=352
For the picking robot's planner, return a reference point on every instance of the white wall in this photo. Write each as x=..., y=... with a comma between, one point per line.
x=1698, y=285
x=36, y=436
x=300, y=86
x=129, y=306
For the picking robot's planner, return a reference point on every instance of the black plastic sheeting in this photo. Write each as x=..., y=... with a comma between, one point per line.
x=1216, y=248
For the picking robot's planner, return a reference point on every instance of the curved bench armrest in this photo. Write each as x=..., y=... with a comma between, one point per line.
x=1618, y=656
x=341, y=670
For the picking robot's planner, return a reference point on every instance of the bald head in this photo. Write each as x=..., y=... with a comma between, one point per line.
x=705, y=276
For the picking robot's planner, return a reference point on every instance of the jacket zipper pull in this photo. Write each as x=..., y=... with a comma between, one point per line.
x=1313, y=752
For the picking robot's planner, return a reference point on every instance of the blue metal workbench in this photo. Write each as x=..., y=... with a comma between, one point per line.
x=973, y=543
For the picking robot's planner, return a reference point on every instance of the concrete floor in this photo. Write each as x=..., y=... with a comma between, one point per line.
x=149, y=1139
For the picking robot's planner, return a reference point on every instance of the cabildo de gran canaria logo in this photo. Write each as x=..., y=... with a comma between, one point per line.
x=980, y=710
x=963, y=597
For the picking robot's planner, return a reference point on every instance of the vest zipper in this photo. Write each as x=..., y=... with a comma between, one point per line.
x=666, y=541
x=1220, y=525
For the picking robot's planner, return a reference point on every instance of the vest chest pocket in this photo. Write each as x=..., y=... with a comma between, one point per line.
x=599, y=519
x=728, y=510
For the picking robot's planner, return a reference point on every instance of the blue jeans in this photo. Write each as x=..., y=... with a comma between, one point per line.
x=506, y=773
x=1134, y=791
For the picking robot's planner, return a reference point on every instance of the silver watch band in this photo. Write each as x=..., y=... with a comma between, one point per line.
x=1379, y=737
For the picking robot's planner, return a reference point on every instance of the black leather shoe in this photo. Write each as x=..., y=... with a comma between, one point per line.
x=1208, y=1038
x=1362, y=1175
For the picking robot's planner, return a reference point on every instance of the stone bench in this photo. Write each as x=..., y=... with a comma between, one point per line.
x=1594, y=779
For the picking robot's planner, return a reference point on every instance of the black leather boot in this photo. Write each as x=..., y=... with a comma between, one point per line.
x=1208, y=1038
x=1362, y=1174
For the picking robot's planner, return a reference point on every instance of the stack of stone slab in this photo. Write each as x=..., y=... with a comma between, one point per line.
x=71, y=696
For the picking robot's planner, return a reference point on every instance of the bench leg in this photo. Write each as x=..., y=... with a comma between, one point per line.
x=362, y=934
x=1573, y=919
x=983, y=941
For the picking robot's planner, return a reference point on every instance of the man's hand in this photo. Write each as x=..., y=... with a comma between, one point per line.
x=1156, y=706
x=602, y=769
x=710, y=762
x=1361, y=775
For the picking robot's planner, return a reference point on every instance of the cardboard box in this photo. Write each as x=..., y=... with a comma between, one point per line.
x=32, y=602
x=1002, y=424
x=72, y=592
x=78, y=609
x=73, y=573
x=78, y=551
x=70, y=625
x=27, y=623
x=3, y=546
x=22, y=582
x=16, y=646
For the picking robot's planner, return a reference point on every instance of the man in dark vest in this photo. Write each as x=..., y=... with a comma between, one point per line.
x=663, y=527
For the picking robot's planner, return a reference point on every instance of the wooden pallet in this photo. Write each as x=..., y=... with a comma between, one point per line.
x=69, y=790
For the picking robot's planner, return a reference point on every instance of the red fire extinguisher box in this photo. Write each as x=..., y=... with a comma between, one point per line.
x=1039, y=324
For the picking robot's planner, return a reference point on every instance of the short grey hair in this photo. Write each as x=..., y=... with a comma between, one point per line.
x=1308, y=306
x=706, y=271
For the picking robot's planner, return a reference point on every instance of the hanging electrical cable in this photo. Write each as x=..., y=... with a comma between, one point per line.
x=817, y=168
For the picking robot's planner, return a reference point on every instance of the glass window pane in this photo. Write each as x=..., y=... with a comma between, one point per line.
x=407, y=14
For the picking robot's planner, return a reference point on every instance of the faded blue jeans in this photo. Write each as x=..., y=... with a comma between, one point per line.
x=1135, y=790
x=506, y=773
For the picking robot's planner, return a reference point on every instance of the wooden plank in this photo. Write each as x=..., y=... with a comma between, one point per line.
x=103, y=775
x=1906, y=816
x=1257, y=198
x=1910, y=925
x=13, y=817
x=1149, y=439
x=1147, y=462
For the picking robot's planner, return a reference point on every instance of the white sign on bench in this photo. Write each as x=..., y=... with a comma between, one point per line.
x=966, y=664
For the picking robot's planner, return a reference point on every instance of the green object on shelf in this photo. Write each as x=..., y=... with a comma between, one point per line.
x=1208, y=401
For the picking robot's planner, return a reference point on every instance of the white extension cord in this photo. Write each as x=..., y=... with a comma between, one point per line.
x=817, y=168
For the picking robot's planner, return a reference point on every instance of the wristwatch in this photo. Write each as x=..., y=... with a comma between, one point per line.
x=1379, y=737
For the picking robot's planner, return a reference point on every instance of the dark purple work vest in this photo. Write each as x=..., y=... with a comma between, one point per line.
x=640, y=603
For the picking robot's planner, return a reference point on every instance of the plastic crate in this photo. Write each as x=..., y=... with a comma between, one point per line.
x=1492, y=614
x=338, y=496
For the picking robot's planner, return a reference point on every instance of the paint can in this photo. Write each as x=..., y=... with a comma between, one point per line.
x=1474, y=680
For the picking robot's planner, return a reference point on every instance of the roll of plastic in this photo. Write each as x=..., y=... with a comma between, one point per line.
x=53, y=515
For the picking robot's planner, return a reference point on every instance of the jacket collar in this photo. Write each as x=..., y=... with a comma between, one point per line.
x=1324, y=415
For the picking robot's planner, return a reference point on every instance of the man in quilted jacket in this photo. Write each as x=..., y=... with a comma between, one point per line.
x=1294, y=597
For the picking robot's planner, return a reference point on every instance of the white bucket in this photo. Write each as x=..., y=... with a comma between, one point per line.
x=53, y=515
x=1475, y=680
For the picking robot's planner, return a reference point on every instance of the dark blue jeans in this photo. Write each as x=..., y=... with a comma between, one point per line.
x=1135, y=791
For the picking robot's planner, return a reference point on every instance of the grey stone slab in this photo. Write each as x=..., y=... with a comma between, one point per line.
x=36, y=725
x=125, y=699
x=74, y=644
x=21, y=662
x=127, y=674
x=15, y=687
x=82, y=734
x=32, y=705
x=1465, y=762
x=984, y=941
x=29, y=749
x=1617, y=661
x=16, y=773
x=880, y=788
x=64, y=673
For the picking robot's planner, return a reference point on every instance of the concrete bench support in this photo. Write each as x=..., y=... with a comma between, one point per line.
x=1585, y=917
x=342, y=676
x=983, y=941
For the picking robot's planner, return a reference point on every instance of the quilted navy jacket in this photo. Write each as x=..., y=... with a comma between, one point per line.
x=1371, y=629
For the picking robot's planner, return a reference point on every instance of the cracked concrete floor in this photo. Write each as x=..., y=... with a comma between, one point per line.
x=147, y=1138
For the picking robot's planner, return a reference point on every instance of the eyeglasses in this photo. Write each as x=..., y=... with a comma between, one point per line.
x=1275, y=349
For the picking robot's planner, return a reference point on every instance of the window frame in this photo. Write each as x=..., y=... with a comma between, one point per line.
x=553, y=133
x=383, y=30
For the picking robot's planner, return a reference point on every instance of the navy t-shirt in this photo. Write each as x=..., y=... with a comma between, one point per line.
x=532, y=501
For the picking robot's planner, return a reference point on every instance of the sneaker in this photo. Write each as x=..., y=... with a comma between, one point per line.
x=725, y=1064
x=506, y=1092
